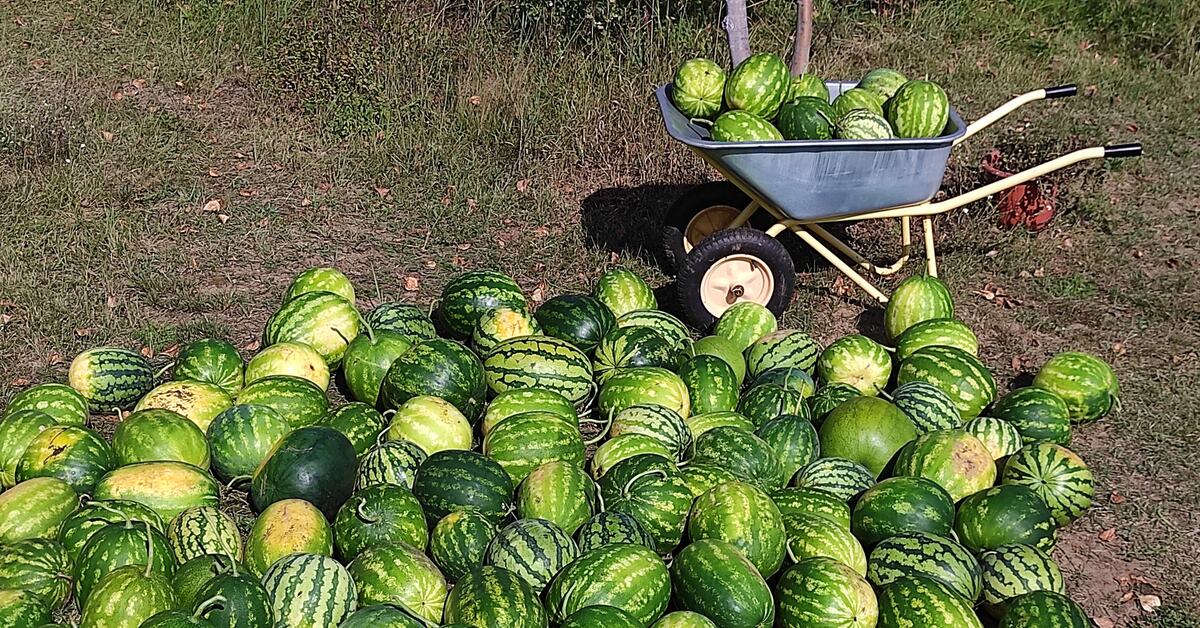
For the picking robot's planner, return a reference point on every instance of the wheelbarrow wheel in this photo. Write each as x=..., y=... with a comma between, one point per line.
x=702, y=211
x=731, y=266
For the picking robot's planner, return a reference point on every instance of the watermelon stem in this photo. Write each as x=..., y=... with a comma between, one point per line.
x=791, y=555
x=149, y=550
x=363, y=516
x=208, y=605
x=629, y=485
x=102, y=506
x=162, y=371
x=220, y=539
x=599, y=495
x=237, y=479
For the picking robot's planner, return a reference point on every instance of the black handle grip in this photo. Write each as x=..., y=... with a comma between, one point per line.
x=1123, y=150
x=1062, y=91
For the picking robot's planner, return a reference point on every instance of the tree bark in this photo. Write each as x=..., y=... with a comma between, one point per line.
x=803, y=50
x=738, y=29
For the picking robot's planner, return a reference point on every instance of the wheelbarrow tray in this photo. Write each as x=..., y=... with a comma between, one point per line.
x=814, y=180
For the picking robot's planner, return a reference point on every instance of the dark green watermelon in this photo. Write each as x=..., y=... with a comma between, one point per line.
x=440, y=368
x=579, y=319
x=316, y=464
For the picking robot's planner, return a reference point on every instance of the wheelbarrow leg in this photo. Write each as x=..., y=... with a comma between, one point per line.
x=803, y=233
x=930, y=254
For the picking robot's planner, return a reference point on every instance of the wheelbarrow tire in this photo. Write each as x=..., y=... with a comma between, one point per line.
x=752, y=254
x=696, y=200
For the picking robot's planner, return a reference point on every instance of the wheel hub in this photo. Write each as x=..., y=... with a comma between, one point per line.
x=735, y=278
x=707, y=222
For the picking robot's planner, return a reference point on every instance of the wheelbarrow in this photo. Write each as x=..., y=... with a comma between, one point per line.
x=721, y=237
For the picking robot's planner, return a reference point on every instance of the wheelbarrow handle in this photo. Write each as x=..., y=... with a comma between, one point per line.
x=1061, y=91
x=1123, y=150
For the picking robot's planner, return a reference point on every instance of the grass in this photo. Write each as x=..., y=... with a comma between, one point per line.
x=417, y=143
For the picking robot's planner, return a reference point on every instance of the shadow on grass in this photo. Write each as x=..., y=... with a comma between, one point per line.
x=629, y=220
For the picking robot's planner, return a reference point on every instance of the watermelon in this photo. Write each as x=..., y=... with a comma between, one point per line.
x=860, y=124
x=711, y=384
x=793, y=439
x=241, y=437
x=698, y=88
x=902, y=504
x=110, y=378
x=407, y=320
x=381, y=616
x=823, y=593
x=829, y=397
x=399, y=574
x=957, y=373
x=758, y=85
x=919, y=109
x=611, y=528
x=167, y=488
x=701, y=423
x=471, y=294
x=1013, y=570
x=156, y=434
x=649, y=488
x=289, y=358
x=500, y=324
x=726, y=350
x=625, y=347
x=629, y=577
x=1044, y=608
x=858, y=99
x=324, y=321
x=203, y=530
x=884, y=81
x=1004, y=515
x=534, y=549
x=23, y=609
x=1038, y=415
x=626, y=446
x=212, y=361
x=1000, y=438
x=172, y=619
x=656, y=422
x=75, y=455
x=522, y=400
x=458, y=542
x=367, y=360
x=454, y=480
x=712, y=578
x=40, y=566
x=191, y=576
x=701, y=477
x=786, y=348
x=929, y=408
x=601, y=616
x=431, y=423
x=807, y=118
x=116, y=545
x=743, y=126
x=1086, y=383
x=58, y=401
x=669, y=326
x=127, y=597
x=393, y=462
x=558, y=492
x=807, y=85
x=520, y=443
x=837, y=476
x=744, y=516
x=540, y=362
x=233, y=599
x=359, y=422
x=298, y=401
x=918, y=298
x=791, y=378
x=199, y=402
x=810, y=535
x=954, y=459
x=379, y=515
x=644, y=385
x=17, y=430
x=764, y=402
x=945, y=332
x=749, y=457
x=803, y=500
x=323, y=279
x=927, y=555
x=579, y=319
x=309, y=591
x=1057, y=475
x=744, y=323
x=440, y=368
x=315, y=464
x=78, y=528
x=858, y=361
x=623, y=292
x=919, y=601
x=867, y=430
x=490, y=597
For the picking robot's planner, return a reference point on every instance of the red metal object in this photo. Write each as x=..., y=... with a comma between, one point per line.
x=1024, y=205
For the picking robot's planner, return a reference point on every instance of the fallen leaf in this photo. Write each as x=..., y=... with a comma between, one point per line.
x=108, y=137
x=1131, y=127
x=1119, y=348
x=1149, y=603
x=465, y=246
x=1108, y=535
x=474, y=100
x=1040, y=272
x=1090, y=91
x=539, y=292
x=147, y=352
x=253, y=345
x=171, y=351
x=383, y=192
x=523, y=186
x=5, y=319
x=1116, y=498
x=542, y=231
x=140, y=84
x=21, y=382
x=614, y=258
x=247, y=192
x=54, y=358
x=1128, y=596
x=429, y=264
x=213, y=172
x=84, y=332
x=213, y=205
x=1104, y=622
x=179, y=84
x=411, y=283
x=306, y=202
x=111, y=302
x=224, y=218
x=472, y=203
x=39, y=63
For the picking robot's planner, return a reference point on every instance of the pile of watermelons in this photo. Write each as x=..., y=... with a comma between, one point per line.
x=745, y=479
x=760, y=101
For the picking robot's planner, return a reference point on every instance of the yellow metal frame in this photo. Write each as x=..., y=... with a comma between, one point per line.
x=820, y=240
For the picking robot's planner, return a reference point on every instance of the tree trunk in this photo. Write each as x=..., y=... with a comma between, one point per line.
x=804, y=20
x=738, y=29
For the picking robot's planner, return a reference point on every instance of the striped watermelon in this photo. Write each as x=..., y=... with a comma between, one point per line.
x=954, y=459
x=629, y=577
x=860, y=124
x=698, y=88
x=322, y=279
x=899, y=505
x=503, y=323
x=644, y=385
x=399, y=574
x=601, y=615
x=623, y=292
x=764, y=402
x=157, y=434
x=78, y=528
x=786, y=348
x=322, y=320
x=309, y=591
x=287, y=527
x=75, y=455
x=649, y=488
x=40, y=566
x=823, y=593
x=712, y=578
x=867, y=430
x=858, y=361
x=809, y=85
x=806, y=118
x=233, y=599
x=611, y=528
x=743, y=126
x=212, y=361
x=198, y=401
x=559, y=492
x=945, y=332
x=918, y=298
x=1004, y=515
x=458, y=542
x=758, y=85
x=407, y=320
x=367, y=360
x=441, y=368
x=110, y=378
x=919, y=109
x=290, y=358
x=884, y=81
x=460, y=480
x=60, y=402
x=127, y=597
x=359, y=422
x=431, y=423
x=794, y=441
x=1044, y=608
x=393, y=462
x=203, y=530
x=919, y=601
x=858, y=99
x=381, y=616
x=579, y=319
x=490, y=597
x=1085, y=382
x=927, y=555
x=1013, y=570
x=1000, y=438
x=814, y=535
x=669, y=326
x=744, y=516
x=534, y=549
x=657, y=422
x=167, y=488
x=929, y=408
x=726, y=350
x=23, y=609
x=241, y=437
x=1038, y=414
x=379, y=515
x=313, y=463
x=958, y=373
x=471, y=294
x=701, y=477
x=701, y=423
x=625, y=446
x=520, y=443
x=802, y=500
x=1057, y=475
x=522, y=400
x=749, y=457
x=17, y=430
x=828, y=397
x=788, y=377
x=744, y=323
x=625, y=347
x=711, y=384
x=298, y=401
x=116, y=545
x=837, y=476
x=540, y=362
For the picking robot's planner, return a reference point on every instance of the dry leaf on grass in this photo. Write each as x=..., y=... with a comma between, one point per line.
x=1108, y=535
x=1149, y=603
x=1116, y=498
x=20, y=382
x=84, y=332
x=253, y=345
x=213, y=205
x=523, y=186
x=411, y=283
